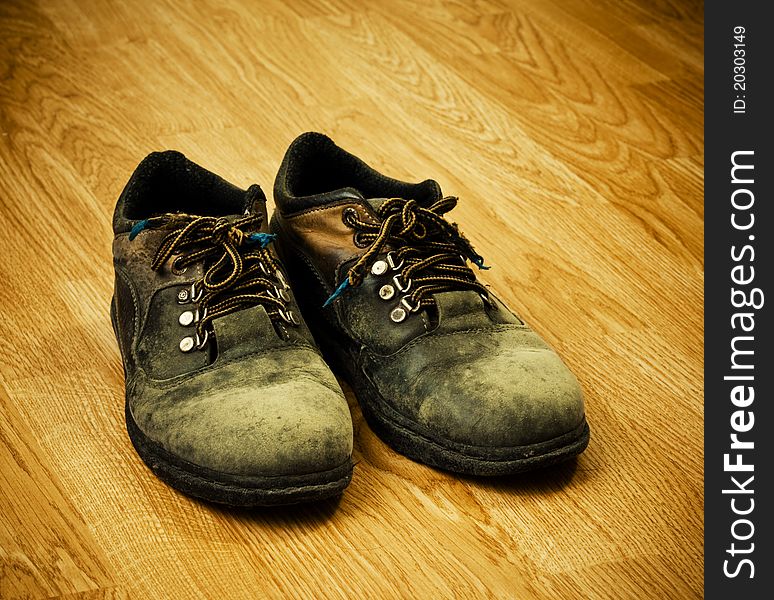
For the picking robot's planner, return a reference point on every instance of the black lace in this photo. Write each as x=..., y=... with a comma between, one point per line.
x=430, y=251
x=240, y=270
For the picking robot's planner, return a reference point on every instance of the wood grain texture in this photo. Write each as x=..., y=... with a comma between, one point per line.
x=572, y=130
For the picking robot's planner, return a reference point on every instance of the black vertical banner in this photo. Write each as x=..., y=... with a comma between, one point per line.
x=739, y=297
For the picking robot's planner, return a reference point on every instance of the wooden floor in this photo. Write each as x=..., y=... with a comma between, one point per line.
x=572, y=130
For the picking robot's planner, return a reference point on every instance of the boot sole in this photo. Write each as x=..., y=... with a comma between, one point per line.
x=401, y=434
x=233, y=490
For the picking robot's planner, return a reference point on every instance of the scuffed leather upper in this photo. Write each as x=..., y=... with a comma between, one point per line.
x=479, y=383
x=262, y=404
x=469, y=371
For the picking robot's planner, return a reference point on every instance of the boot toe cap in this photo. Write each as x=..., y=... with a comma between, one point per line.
x=515, y=398
x=293, y=427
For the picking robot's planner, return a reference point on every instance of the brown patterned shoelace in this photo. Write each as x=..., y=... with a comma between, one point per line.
x=429, y=251
x=240, y=270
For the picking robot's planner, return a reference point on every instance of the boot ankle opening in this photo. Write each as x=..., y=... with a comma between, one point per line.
x=167, y=182
x=314, y=165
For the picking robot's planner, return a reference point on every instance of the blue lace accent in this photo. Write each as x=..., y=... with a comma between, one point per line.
x=264, y=239
x=138, y=227
x=339, y=291
x=478, y=260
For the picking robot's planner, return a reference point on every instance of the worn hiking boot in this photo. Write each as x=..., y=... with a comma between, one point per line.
x=227, y=397
x=443, y=371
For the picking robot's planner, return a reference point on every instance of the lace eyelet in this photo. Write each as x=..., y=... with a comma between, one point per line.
x=379, y=268
x=391, y=260
x=288, y=317
x=191, y=343
x=200, y=343
x=281, y=294
x=177, y=270
x=186, y=318
x=386, y=292
x=195, y=296
x=281, y=278
x=187, y=344
x=407, y=305
x=348, y=214
x=404, y=308
x=402, y=286
x=398, y=314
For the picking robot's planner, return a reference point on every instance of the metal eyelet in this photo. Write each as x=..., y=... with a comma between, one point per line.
x=404, y=308
x=281, y=278
x=386, y=292
x=193, y=296
x=177, y=270
x=398, y=314
x=200, y=343
x=349, y=213
x=186, y=318
x=398, y=284
x=288, y=317
x=391, y=260
x=190, y=343
x=379, y=268
x=182, y=296
x=281, y=294
x=407, y=305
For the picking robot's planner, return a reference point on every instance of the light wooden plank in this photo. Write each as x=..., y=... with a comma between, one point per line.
x=573, y=134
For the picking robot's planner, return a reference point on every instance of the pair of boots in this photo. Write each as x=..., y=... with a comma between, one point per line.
x=229, y=327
